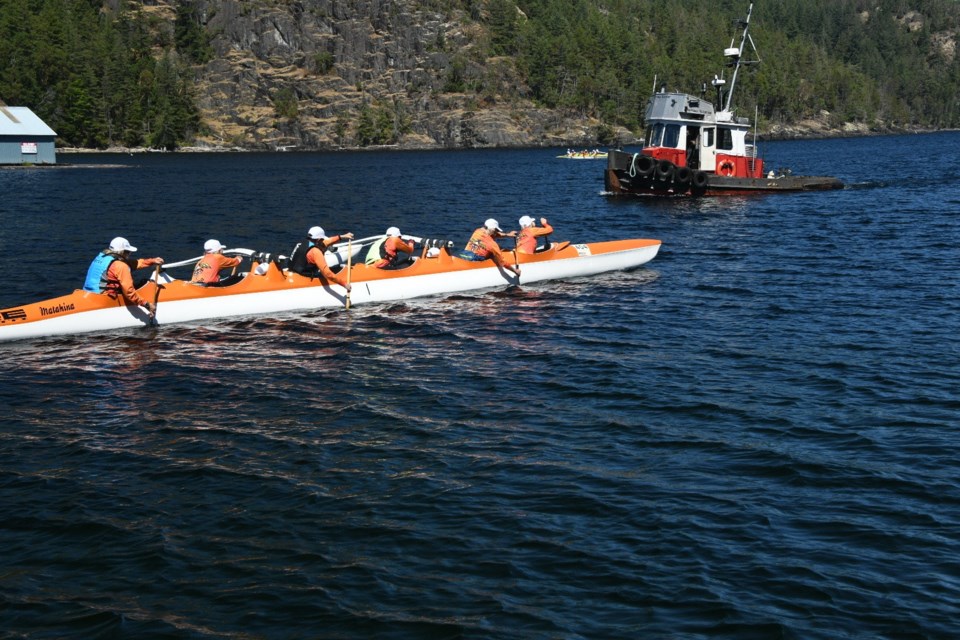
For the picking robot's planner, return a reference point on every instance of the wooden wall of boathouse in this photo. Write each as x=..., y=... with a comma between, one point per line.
x=25, y=138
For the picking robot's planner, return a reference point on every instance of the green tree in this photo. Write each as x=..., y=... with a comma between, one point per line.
x=323, y=62
x=285, y=103
x=503, y=26
x=188, y=33
x=341, y=128
x=366, y=129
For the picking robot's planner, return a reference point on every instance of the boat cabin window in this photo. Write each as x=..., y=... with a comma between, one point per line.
x=671, y=136
x=725, y=139
x=708, y=137
x=654, y=134
x=661, y=135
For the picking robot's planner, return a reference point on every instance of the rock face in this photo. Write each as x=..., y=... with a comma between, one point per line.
x=309, y=73
x=328, y=74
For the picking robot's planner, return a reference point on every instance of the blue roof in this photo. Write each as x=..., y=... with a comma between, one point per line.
x=21, y=121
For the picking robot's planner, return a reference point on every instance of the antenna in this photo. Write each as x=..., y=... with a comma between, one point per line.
x=736, y=54
x=718, y=83
x=756, y=131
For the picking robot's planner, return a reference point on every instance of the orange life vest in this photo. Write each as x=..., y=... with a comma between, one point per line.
x=477, y=245
x=527, y=241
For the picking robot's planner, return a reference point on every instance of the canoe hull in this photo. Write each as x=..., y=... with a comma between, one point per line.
x=278, y=291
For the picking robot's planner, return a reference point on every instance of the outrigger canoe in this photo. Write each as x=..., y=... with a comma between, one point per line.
x=269, y=288
x=584, y=155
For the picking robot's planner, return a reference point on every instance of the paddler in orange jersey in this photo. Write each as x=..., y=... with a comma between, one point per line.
x=482, y=245
x=110, y=273
x=208, y=267
x=313, y=262
x=529, y=232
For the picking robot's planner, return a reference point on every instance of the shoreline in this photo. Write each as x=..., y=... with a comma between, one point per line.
x=787, y=134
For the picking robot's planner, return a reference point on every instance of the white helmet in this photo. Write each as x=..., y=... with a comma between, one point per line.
x=492, y=225
x=119, y=244
x=212, y=246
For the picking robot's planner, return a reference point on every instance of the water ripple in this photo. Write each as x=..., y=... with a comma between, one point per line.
x=751, y=437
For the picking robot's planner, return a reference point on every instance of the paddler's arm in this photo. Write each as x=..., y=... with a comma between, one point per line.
x=120, y=270
x=329, y=242
x=333, y=277
x=315, y=257
x=544, y=230
x=497, y=256
x=147, y=262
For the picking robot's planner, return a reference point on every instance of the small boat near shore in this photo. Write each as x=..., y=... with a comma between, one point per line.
x=695, y=148
x=269, y=288
x=586, y=154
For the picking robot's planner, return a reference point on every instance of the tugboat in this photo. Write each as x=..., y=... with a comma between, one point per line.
x=694, y=149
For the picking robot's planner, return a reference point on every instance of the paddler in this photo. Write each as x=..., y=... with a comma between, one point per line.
x=111, y=273
x=208, y=268
x=482, y=245
x=387, y=253
x=529, y=232
x=311, y=262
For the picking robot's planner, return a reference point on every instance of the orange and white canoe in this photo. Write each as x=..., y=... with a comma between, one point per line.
x=267, y=289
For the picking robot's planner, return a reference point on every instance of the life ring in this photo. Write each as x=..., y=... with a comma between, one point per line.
x=726, y=168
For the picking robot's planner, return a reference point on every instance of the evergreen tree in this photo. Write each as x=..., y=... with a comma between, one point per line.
x=102, y=76
x=189, y=35
x=366, y=129
x=503, y=26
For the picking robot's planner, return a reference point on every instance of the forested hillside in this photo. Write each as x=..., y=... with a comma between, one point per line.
x=460, y=73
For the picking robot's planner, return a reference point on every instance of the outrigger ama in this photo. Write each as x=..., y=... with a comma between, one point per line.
x=691, y=148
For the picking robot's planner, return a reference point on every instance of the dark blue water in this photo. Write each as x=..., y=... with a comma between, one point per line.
x=754, y=436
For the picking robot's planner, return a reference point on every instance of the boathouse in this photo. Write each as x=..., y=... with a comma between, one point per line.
x=25, y=138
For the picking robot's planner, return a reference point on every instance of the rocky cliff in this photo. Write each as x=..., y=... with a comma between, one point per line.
x=328, y=74
x=325, y=74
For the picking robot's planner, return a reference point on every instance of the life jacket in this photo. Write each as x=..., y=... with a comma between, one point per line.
x=475, y=243
x=97, y=280
x=207, y=270
x=377, y=252
x=298, y=260
x=526, y=241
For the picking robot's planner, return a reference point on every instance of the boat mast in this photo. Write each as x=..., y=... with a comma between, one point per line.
x=737, y=54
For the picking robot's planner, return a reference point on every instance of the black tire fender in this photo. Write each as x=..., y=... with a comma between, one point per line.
x=665, y=170
x=644, y=166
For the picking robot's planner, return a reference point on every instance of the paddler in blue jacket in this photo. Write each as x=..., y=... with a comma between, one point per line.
x=111, y=273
